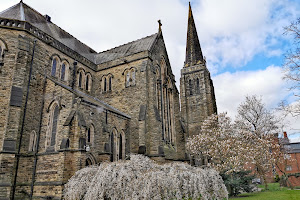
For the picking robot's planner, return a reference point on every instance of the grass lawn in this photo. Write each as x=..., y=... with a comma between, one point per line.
x=274, y=193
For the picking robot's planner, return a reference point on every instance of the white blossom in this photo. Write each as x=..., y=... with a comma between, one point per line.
x=142, y=178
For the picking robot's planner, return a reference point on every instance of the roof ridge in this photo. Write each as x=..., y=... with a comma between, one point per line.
x=128, y=43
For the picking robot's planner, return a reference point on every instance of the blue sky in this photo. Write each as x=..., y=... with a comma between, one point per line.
x=242, y=40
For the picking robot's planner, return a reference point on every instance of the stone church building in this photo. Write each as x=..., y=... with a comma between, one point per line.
x=64, y=106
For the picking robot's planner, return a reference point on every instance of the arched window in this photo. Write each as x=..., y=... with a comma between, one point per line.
x=191, y=87
x=109, y=84
x=127, y=79
x=52, y=128
x=54, y=64
x=80, y=79
x=104, y=85
x=32, y=141
x=120, y=147
x=63, y=72
x=88, y=162
x=197, y=86
x=133, y=77
x=112, y=147
x=90, y=135
x=87, y=82
x=3, y=47
x=122, y=142
x=54, y=125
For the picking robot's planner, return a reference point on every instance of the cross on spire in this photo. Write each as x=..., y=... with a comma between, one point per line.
x=159, y=25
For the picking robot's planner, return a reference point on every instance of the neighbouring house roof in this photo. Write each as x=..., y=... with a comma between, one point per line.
x=23, y=12
x=292, y=147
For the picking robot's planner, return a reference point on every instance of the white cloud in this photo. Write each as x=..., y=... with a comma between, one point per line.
x=231, y=89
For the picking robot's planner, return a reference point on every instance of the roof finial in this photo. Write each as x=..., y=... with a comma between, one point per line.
x=21, y=1
x=159, y=25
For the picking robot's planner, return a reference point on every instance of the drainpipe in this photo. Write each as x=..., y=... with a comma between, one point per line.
x=74, y=74
x=23, y=122
x=38, y=139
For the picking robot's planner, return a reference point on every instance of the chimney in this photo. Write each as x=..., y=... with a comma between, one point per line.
x=48, y=18
x=285, y=135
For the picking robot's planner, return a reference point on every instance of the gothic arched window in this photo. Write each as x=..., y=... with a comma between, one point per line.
x=191, y=87
x=90, y=135
x=133, y=77
x=52, y=126
x=104, y=85
x=3, y=47
x=80, y=80
x=197, y=86
x=112, y=147
x=32, y=141
x=109, y=83
x=63, y=72
x=87, y=82
x=120, y=147
x=128, y=79
x=54, y=64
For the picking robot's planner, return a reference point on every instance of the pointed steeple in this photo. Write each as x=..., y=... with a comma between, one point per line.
x=193, y=49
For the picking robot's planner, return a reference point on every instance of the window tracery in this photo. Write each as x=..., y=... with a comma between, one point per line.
x=130, y=77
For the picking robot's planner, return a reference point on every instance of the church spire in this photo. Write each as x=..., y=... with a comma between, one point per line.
x=193, y=50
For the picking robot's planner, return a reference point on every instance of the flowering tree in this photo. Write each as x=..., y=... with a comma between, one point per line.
x=141, y=178
x=249, y=141
x=219, y=141
x=258, y=126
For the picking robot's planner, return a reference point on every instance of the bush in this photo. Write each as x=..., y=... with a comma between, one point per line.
x=141, y=178
x=237, y=182
x=277, y=178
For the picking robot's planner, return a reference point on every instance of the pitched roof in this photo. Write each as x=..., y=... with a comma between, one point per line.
x=293, y=147
x=23, y=12
x=130, y=48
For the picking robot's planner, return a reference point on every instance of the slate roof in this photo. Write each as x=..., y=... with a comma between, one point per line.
x=130, y=48
x=91, y=99
x=293, y=147
x=23, y=12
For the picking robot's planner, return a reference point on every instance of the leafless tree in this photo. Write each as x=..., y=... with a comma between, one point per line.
x=292, y=68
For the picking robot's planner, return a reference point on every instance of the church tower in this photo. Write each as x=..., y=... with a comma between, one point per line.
x=196, y=87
